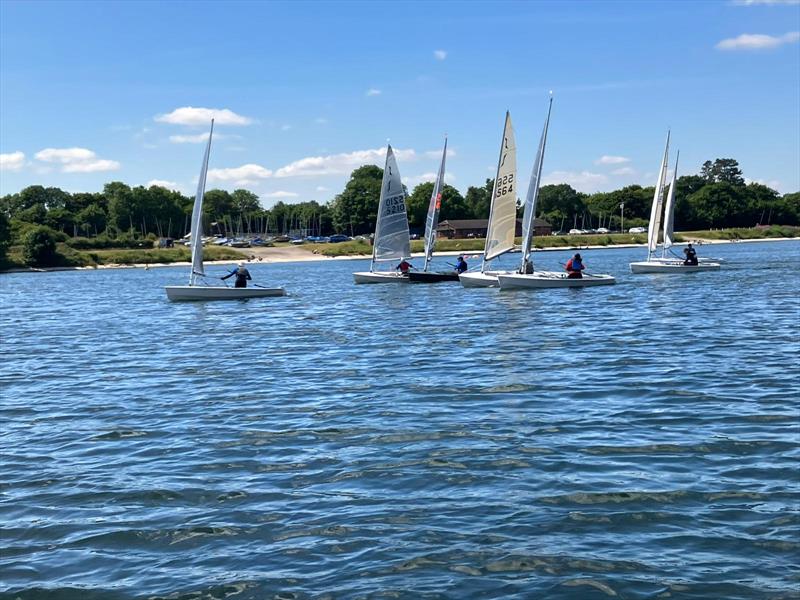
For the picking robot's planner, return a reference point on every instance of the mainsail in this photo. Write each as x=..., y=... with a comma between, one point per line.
x=669, y=208
x=433, y=209
x=392, y=241
x=197, y=215
x=529, y=214
x=658, y=199
x=503, y=212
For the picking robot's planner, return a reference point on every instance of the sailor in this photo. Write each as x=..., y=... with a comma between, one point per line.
x=404, y=267
x=461, y=265
x=242, y=275
x=574, y=267
x=691, y=255
x=528, y=268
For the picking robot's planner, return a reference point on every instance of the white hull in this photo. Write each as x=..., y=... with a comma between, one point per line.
x=380, y=277
x=481, y=278
x=551, y=279
x=201, y=292
x=671, y=266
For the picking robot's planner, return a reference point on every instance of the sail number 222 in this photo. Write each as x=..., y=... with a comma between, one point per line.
x=505, y=185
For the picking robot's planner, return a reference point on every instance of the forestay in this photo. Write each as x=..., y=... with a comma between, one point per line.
x=529, y=214
x=669, y=209
x=503, y=212
x=656, y=208
x=197, y=216
x=392, y=241
x=434, y=206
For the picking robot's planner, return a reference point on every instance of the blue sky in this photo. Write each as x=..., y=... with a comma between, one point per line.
x=101, y=91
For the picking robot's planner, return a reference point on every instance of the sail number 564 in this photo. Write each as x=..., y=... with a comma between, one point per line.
x=504, y=185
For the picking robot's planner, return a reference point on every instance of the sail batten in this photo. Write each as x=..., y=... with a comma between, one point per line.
x=434, y=206
x=529, y=214
x=669, y=208
x=503, y=211
x=392, y=240
x=197, y=216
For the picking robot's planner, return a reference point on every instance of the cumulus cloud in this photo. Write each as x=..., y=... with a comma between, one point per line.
x=170, y=185
x=583, y=181
x=189, y=115
x=76, y=160
x=244, y=175
x=13, y=161
x=438, y=153
x=440, y=54
x=188, y=139
x=415, y=180
x=322, y=188
x=758, y=41
x=611, y=160
x=373, y=92
x=624, y=171
x=280, y=194
x=340, y=164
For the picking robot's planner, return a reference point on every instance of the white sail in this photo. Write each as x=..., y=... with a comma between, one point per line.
x=433, y=209
x=392, y=241
x=658, y=199
x=503, y=212
x=529, y=214
x=669, y=208
x=197, y=215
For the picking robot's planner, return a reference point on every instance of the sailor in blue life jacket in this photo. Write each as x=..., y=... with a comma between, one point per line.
x=242, y=275
x=461, y=265
x=575, y=267
x=691, y=255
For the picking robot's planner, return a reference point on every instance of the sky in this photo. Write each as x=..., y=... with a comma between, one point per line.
x=305, y=92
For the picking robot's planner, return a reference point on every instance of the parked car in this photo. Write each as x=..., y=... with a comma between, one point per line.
x=576, y=232
x=338, y=237
x=603, y=230
x=637, y=230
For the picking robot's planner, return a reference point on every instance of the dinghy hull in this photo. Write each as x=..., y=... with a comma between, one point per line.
x=179, y=293
x=663, y=266
x=481, y=279
x=549, y=279
x=428, y=277
x=378, y=277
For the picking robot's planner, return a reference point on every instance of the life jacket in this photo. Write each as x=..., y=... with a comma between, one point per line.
x=574, y=265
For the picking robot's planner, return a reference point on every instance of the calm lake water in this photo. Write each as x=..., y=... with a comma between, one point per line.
x=403, y=441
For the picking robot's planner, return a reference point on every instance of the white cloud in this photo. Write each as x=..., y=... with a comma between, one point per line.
x=772, y=183
x=188, y=139
x=244, y=175
x=280, y=194
x=373, y=92
x=188, y=115
x=320, y=120
x=13, y=161
x=170, y=185
x=286, y=127
x=611, y=160
x=340, y=164
x=773, y=2
x=322, y=188
x=415, y=180
x=624, y=171
x=758, y=41
x=440, y=54
x=582, y=182
x=438, y=153
x=76, y=160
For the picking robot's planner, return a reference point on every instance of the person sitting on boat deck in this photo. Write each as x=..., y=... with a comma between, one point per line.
x=242, y=275
x=404, y=267
x=527, y=269
x=691, y=255
x=574, y=267
x=461, y=265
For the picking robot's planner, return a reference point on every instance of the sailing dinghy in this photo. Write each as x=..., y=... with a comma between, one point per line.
x=197, y=290
x=664, y=263
x=392, y=241
x=502, y=213
x=527, y=277
x=431, y=223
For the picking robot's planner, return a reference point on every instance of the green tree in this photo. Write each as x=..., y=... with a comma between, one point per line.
x=722, y=170
x=356, y=208
x=559, y=203
x=39, y=247
x=453, y=205
x=91, y=219
x=713, y=203
x=478, y=200
x=5, y=235
x=121, y=213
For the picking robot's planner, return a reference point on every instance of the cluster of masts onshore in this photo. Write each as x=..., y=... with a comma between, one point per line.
x=392, y=241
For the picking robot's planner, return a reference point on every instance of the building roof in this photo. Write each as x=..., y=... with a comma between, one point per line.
x=481, y=223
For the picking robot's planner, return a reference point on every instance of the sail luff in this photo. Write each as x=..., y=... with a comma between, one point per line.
x=381, y=200
x=669, y=208
x=197, y=215
x=392, y=240
x=503, y=212
x=433, y=209
x=529, y=215
x=655, y=210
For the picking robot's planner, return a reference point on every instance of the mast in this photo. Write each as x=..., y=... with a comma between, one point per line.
x=669, y=209
x=655, y=209
x=529, y=216
x=501, y=191
x=197, y=216
x=433, y=209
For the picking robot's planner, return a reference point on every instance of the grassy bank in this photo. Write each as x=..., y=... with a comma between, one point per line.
x=745, y=233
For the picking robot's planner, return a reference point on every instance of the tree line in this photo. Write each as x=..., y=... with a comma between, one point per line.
x=716, y=197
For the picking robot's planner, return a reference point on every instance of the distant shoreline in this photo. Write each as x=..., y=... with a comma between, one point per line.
x=267, y=255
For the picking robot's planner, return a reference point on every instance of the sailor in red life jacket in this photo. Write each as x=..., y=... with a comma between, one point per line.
x=404, y=267
x=574, y=267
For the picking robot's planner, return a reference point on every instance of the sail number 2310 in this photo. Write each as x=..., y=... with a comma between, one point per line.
x=504, y=186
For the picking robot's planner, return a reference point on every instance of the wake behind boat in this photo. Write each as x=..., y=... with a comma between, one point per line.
x=197, y=290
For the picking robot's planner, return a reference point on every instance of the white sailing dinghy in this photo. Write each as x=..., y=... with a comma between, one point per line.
x=527, y=277
x=664, y=263
x=502, y=213
x=196, y=290
x=392, y=241
x=432, y=221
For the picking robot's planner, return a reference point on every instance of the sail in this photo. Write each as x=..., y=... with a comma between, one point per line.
x=503, y=212
x=669, y=208
x=433, y=209
x=529, y=214
x=197, y=215
x=658, y=199
x=392, y=241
